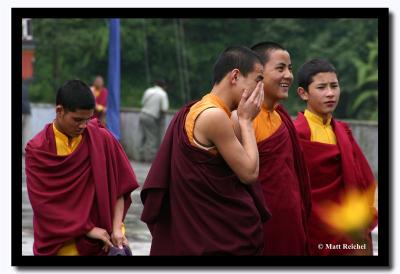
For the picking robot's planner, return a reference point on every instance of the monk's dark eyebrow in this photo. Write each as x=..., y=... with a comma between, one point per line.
x=283, y=64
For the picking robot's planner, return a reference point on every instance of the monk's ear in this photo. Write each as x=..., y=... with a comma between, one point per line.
x=302, y=93
x=234, y=76
x=59, y=110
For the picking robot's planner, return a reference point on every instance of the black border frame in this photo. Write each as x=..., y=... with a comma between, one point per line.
x=382, y=14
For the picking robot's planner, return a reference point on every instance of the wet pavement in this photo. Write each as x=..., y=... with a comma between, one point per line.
x=137, y=233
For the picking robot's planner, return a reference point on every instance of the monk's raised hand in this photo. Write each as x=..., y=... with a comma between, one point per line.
x=250, y=105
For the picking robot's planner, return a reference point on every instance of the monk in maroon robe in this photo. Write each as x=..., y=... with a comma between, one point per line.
x=201, y=196
x=75, y=194
x=286, y=187
x=283, y=173
x=195, y=205
x=335, y=161
x=100, y=93
x=333, y=169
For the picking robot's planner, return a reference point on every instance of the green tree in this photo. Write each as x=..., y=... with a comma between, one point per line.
x=365, y=101
x=183, y=50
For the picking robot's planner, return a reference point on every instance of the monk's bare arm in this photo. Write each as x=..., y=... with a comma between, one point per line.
x=248, y=109
x=215, y=125
x=236, y=127
x=117, y=237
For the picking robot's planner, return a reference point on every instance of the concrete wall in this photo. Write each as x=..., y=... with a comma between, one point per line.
x=366, y=133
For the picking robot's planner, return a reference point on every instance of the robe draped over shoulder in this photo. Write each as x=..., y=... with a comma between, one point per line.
x=286, y=187
x=195, y=205
x=72, y=194
x=334, y=169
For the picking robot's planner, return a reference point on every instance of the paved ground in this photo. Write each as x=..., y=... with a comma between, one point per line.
x=137, y=233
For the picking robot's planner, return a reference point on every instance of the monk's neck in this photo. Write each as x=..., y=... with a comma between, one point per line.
x=57, y=125
x=269, y=104
x=225, y=97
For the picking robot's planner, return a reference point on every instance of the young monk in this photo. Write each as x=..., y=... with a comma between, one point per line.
x=198, y=196
x=283, y=174
x=79, y=180
x=335, y=162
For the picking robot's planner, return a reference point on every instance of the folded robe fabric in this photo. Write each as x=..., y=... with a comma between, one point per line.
x=72, y=194
x=195, y=205
x=333, y=169
x=286, y=187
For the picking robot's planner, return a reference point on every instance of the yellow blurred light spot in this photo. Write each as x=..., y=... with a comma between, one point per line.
x=353, y=214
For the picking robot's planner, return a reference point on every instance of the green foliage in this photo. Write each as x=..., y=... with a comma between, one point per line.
x=184, y=50
x=366, y=91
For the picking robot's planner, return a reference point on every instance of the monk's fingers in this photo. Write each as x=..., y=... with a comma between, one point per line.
x=257, y=96
x=125, y=241
x=113, y=239
x=117, y=238
x=106, y=240
x=246, y=94
x=261, y=97
x=118, y=242
x=256, y=92
x=243, y=99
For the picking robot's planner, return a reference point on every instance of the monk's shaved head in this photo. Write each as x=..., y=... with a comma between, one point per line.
x=75, y=94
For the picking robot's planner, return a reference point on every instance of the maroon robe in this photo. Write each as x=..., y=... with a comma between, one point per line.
x=285, y=183
x=333, y=169
x=195, y=205
x=72, y=194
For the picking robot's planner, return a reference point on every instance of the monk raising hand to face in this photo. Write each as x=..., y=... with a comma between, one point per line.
x=209, y=178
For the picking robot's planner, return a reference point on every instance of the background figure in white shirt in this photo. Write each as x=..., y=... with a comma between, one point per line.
x=152, y=119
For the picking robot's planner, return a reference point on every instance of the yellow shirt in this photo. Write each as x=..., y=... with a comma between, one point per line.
x=266, y=123
x=208, y=101
x=65, y=147
x=320, y=132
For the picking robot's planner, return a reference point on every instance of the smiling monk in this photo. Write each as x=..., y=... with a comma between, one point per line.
x=283, y=173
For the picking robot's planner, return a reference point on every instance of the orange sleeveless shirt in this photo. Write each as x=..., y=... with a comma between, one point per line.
x=208, y=101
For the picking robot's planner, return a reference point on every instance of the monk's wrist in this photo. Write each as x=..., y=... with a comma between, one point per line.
x=245, y=123
x=117, y=226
